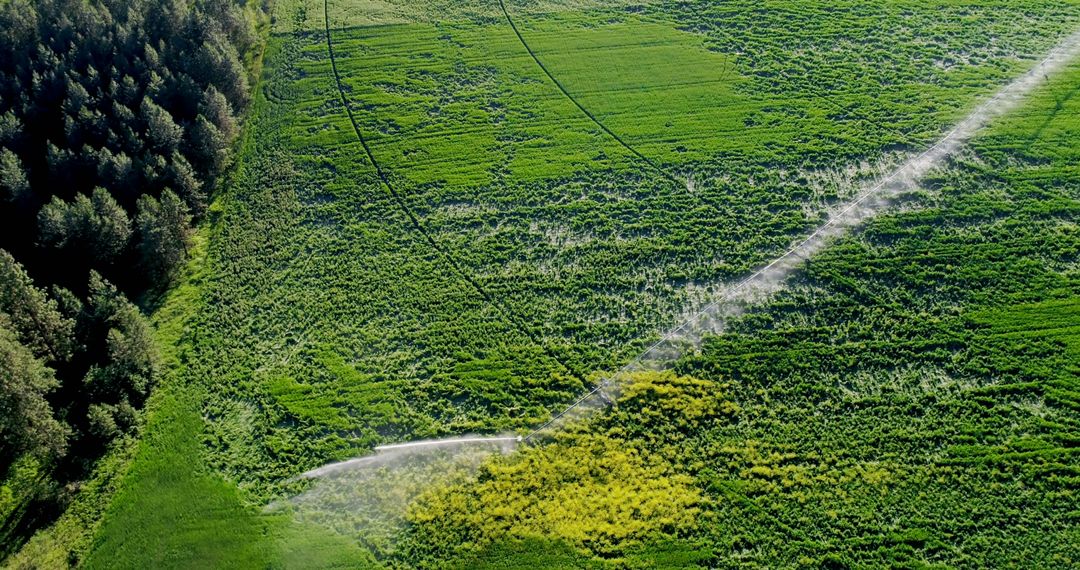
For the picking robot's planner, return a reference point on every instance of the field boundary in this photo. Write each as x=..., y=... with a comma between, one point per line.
x=417, y=225
x=670, y=177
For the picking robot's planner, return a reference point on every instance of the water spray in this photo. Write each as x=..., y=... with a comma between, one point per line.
x=389, y=452
x=444, y=442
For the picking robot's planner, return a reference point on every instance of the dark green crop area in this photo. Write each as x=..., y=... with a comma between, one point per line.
x=910, y=400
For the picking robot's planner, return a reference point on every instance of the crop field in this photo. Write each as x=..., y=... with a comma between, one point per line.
x=455, y=217
x=910, y=400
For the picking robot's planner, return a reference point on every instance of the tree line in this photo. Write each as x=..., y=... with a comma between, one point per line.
x=116, y=116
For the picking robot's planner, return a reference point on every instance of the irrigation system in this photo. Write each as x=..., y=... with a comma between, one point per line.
x=760, y=284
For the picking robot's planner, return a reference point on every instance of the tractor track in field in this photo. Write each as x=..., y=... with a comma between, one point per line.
x=414, y=220
x=667, y=175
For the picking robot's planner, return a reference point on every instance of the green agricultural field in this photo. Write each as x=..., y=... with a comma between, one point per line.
x=454, y=217
x=909, y=401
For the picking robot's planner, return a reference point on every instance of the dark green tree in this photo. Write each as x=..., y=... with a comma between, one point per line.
x=209, y=146
x=35, y=318
x=182, y=177
x=13, y=181
x=164, y=233
x=162, y=131
x=127, y=370
x=27, y=424
x=96, y=225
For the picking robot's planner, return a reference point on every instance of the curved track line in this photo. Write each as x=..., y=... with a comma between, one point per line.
x=581, y=107
x=417, y=225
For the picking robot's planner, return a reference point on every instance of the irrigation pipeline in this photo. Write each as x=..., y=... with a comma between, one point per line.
x=445, y=442
x=913, y=169
x=449, y=259
x=581, y=107
x=390, y=452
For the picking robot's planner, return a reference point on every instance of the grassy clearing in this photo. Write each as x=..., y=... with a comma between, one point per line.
x=145, y=521
x=174, y=513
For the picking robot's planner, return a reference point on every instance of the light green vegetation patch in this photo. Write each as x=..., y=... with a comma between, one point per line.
x=333, y=403
x=1056, y=321
x=353, y=13
x=463, y=106
x=658, y=88
x=177, y=514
